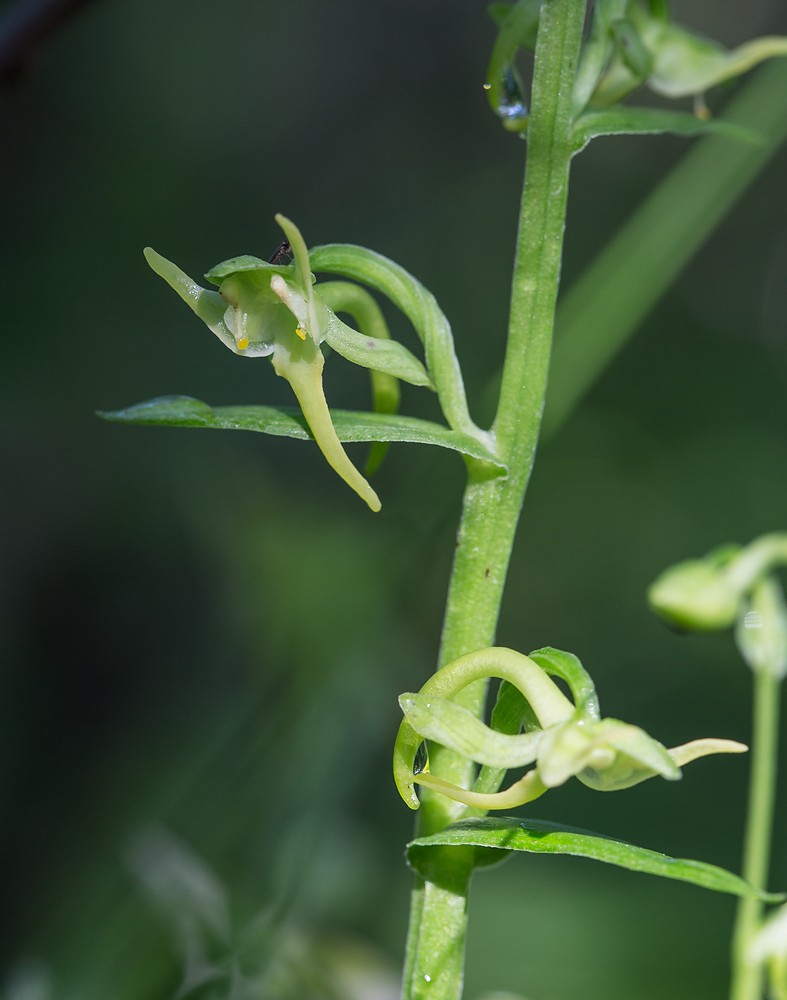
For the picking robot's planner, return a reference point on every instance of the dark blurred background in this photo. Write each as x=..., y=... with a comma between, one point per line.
x=203, y=634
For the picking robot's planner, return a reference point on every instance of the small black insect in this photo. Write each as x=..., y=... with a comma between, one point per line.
x=282, y=251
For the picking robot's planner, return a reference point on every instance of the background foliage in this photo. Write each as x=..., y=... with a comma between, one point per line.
x=188, y=620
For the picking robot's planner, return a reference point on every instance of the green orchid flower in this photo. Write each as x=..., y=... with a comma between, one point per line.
x=669, y=59
x=263, y=309
x=713, y=592
x=570, y=740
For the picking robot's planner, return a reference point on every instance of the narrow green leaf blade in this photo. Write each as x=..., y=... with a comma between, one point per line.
x=512, y=833
x=287, y=421
x=624, y=120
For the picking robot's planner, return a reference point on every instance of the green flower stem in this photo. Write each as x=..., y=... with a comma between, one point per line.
x=746, y=976
x=492, y=504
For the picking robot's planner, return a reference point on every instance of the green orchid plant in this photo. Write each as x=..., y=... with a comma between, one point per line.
x=269, y=309
x=563, y=739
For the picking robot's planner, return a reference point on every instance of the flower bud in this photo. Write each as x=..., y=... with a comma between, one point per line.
x=695, y=595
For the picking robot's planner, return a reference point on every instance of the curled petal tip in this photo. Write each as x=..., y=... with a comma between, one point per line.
x=688, y=752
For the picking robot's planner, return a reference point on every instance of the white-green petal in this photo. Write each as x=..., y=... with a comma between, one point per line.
x=565, y=749
x=313, y=321
x=638, y=746
x=208, y=305
x=688, y=752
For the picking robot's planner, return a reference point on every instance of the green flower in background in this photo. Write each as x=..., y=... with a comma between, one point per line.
x=648, y=48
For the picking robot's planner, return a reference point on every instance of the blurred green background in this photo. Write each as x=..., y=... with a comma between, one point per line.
x=203, y=634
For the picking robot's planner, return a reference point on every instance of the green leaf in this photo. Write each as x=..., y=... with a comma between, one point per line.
x=511, y=833
x=652, y=121
x=288, y=421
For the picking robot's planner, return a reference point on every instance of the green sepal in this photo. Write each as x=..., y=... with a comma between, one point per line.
x=238, y=265
x=597, y=51
x=509, y=834
x=568, y=666
x=624, y=120
x=421, y=308
x=511, y=713
x=453, y=726
x=288, y=421
x=632, y=50
x=387, y=356
x=208, y=305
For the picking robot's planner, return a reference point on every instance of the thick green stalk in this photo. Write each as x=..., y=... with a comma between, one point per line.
x=747, y=977
x=492, y=504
